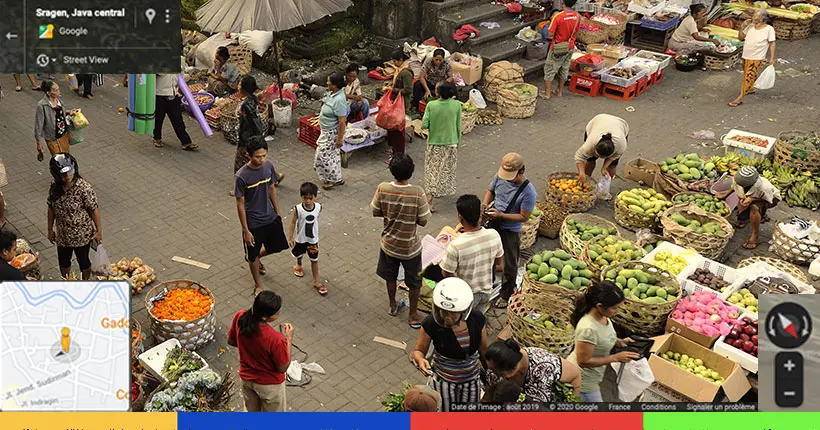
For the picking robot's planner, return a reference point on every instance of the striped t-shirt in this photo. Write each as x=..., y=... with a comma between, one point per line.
x=471, y=257
x=403, y=207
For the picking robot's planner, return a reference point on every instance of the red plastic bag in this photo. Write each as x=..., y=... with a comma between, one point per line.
x=431, y=42
x=514, y=7
x=391, y=112
x=271, y=94
x=374, y=74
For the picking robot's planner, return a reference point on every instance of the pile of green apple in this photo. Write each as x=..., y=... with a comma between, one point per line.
x=693, y=365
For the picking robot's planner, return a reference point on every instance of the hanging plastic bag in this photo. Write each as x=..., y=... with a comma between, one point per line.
x=603, y=188
x=477, y=98
x=78, y=120
x=101, y=264
x=75, y=136
x=765, y=80
x=637, y=376
x=71, y=81
x=391, y=114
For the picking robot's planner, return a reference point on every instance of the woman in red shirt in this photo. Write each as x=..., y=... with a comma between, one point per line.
x=264, y=353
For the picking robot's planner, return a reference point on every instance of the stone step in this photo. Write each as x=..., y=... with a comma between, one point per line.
x=498, y=50
x=509, y=28
x=474, y=15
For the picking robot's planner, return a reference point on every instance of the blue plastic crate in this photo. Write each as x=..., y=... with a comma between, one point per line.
x=660, y=26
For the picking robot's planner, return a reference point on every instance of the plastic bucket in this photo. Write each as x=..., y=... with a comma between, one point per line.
x=363, y=78
x=282, y=114
x=723, y=184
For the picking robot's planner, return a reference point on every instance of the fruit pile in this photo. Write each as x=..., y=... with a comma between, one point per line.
x=136, y=271
x=743, y=299
x=546, y=321
x=613, y=249
x=709, y=280
x=673, y=264
x=797, y=188
x=568, y=185
x=535, y=214
x=743, y=336
x=704, y=201
x=729, y=163
x=644, y=201
x=693, y=365
x=642, y=286
x=711, y=227
x=689, y=167
x=559, y=267
x=588, y=231
x=202, y=99
x=705, y=313
x=749, y=140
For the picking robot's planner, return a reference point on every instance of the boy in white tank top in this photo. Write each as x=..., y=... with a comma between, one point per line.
x=304, y=233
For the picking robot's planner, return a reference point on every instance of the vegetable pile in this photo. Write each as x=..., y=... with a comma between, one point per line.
x=693, y=365
x=644, y=201
x=136, y=271
x=563, y=392
x=394, y=402
x=559, y=267
x=179, y=362
x=743, y=336
x=705, y=313
x=182, y=304
x=199, y=391
x=704, y=201
x=624, y=72
x=587, y=231
x=687, y=60
x=468, y=107
x=642, y=286
x=689, y=167
x=524, y=90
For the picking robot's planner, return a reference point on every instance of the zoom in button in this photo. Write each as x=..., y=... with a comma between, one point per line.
x=788, y=379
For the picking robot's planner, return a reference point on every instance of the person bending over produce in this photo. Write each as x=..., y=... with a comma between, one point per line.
x=687, y=39
x=756, y=196
x=606, y=137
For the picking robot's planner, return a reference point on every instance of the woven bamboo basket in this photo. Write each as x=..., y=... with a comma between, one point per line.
x=595, y=268
x=228, y=118
x=553, y=291
x=613, y=31
x=230, y=122
x=709, y=245
x=468, y=120
x=525, y=331
x=572, y=202
x=513, y=105
x=591, y=37
x=570, y=241
x=802, y=156
x=714, y=61
x=723, y=205
x=618, y=40
x=639, y=317
x=529, y=232
x=191, y=334
x=778, y=264
x=815, y=24
x=241, y=57
x=632, y=220
x=552, y=217
x=789, y=29
x=137, y=344
x=800, y=252
x=499, y=75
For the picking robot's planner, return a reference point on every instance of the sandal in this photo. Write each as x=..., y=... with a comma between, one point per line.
x=328, y=186
x=735, y=104
x=321, y=289
x=414, y=325
x=190, y=147
x=262, y=270
x=399, y=307
x=298, y=272
x=18, y=88
x=750, y=245
x=342, y=182
x=158, y=143
x=501, y=304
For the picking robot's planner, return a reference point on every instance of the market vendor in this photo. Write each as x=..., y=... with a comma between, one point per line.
x=223, y=78
x=434, y=70
x=358, y=106
x=687, y=38
x=8, y=249
x=606, y=137
x=756, y=196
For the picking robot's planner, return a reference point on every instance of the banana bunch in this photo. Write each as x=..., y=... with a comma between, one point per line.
x=730, y=162
x=797, y=188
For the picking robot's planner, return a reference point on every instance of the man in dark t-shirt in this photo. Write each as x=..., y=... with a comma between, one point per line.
x=8, y=249
x=258, y=208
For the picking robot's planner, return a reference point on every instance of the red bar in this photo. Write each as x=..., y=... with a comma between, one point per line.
x=527, y=421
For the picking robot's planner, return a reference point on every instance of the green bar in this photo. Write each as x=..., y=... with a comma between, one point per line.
x=150, y=101
x=731, y=420
x=139, y=106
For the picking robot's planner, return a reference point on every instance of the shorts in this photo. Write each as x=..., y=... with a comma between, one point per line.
x=272, y=236
x=388, y=269
x=312, y=250
x=557, y=64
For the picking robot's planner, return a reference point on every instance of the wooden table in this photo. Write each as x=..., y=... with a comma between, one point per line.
x=647, y=38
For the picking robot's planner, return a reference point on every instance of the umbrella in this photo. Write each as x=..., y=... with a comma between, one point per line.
x=233, y=16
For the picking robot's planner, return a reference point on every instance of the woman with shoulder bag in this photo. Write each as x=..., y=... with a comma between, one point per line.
x=562, y=31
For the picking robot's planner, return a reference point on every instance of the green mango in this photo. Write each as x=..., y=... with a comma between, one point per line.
x=585, y=273
x=593, y=255
x=563, y=255
x=556, y=263
x=576, y=273
x=660, y=292
x=546, y=255
x=577, y=282
x=695, y=173
x=533, y=267
x=619, y=280
x=611, y=274
x=543, y=270
x=692, y=163
x=536, y=259
x=567, y=284
x=631, y=283
x=626, y=273
x=651, y=291
x=683, y=168
x=566, y=272
x=685, y=177
x=554, y=271
x=608, y=257
x=642, y=278
x=653, y=300
x=581, y=265
x=692, y=156
x=549, y=279
x=533, y=275
x=636, y=208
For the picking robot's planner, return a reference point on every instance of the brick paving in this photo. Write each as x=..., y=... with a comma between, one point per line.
x=158, y=203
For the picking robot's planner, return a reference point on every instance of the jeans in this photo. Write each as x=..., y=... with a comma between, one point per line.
x=355, y=108
x=511, y=242
x=594, y=397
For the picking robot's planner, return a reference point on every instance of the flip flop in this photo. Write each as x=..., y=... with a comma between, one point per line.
x=190, y=147
x=750, y=245
x=262, y=270
x=501, y=304
x=733, y=104
x=298, y=272
x=342, y=182
x=158, y=143
x=328, y=186
x=321, y=289
x=399, y=307
x=414, y=326
x=18, y=88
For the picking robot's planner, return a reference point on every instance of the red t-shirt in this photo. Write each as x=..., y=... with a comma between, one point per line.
x=563, y=25
x=260, y=354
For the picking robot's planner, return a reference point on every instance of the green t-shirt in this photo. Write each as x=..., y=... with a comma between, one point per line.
x=443, y=120
x=603, y=337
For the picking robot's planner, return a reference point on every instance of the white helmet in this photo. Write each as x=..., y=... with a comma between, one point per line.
x=452, y=295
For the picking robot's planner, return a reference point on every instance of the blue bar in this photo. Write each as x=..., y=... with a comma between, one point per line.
x=295, y=420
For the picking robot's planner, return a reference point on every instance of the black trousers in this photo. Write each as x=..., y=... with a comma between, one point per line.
x=85, y=81
x=511, y=242
x=172, y=108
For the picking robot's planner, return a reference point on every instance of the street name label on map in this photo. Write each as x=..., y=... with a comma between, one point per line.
x=66, y=346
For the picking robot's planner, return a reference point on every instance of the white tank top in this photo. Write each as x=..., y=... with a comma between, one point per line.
x=307, y=224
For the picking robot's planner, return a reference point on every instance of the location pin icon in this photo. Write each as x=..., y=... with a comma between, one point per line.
x=150, y=14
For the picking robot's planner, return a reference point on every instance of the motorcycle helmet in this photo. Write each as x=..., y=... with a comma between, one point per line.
x=62, y=163
x=452, y=295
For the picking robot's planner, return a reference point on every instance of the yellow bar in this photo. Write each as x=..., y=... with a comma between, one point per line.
x=88, y=420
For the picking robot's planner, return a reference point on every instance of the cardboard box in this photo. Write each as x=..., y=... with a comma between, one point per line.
x=667, y=374
x=675, y=327
x=472, y=73
x=641, y=170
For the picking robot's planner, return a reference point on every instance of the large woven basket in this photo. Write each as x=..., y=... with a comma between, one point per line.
x=696, y=194
x=803, y=157
x=778, y=264
x=241, y=57
x=613, y=31
x=801, y=252
x=32, y=269
x=570, y=241
x=641, y=318
x=713, y=61
x=513, y=105
x=572, y=202
x=468, y=120
x=529, y=232
x=596, y=269
x=558, y=340
x=499, y=75
x=552, y=217
x=632, y=220
x=191, y=334
x=709, y=245
x=592, y=37
x=553, y=291
x=230, y=122
x=789, y=29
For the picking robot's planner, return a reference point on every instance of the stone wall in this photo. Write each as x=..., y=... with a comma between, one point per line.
x=395, y=19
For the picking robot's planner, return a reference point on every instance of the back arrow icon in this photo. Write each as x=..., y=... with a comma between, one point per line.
x=11, y=35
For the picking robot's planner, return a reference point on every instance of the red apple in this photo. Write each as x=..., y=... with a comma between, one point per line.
x=754, y=339
x=750, y=330
x=744, y=336
x=738, y=343
x=734, y=334
x=747, y=320
x=748, y=346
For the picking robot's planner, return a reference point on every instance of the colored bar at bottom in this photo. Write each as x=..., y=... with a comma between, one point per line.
x=88, y=421
x=294, y=420
x=731, y=420
x=527, y=421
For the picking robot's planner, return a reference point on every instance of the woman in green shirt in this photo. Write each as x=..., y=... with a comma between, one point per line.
x=595, y=337
x=442, y=119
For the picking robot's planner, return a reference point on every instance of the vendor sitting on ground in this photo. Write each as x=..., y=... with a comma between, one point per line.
x=434, y=70
x=359, y=106
x=756, y=196
x=8, y=250
x=606, y=137
x=223, y=78
x=687, y=39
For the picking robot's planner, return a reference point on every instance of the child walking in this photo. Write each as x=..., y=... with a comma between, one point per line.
x=305, y=225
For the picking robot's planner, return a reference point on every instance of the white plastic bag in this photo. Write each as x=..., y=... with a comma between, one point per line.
x=603, y=188
x=477, y=98
x=101, y=264
x=636, y=377
x=765, y=79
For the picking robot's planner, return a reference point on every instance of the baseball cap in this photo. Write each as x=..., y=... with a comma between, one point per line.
x=510, y=165
x=422, y=398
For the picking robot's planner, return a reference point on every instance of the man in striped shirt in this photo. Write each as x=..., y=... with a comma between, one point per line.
x=403, y=207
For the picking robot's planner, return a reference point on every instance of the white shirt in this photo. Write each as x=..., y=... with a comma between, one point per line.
x=307, y=224
x=597, y=127
x=757, y=42
x=166, y=85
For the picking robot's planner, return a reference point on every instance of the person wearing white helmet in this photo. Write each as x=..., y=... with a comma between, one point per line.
x=459, y=338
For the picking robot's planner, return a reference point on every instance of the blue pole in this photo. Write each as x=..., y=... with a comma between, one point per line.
x=132, y=97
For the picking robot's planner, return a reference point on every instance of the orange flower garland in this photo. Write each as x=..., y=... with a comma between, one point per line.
x=183, y=304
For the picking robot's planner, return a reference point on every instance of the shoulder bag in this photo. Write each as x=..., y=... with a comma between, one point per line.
x=497, y=224
x=563, y=47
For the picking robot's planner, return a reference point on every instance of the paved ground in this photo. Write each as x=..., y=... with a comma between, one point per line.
x=158, y=203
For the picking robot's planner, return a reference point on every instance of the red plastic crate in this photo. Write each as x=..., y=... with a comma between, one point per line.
x=643, y=85
x=308, y=133
x=620, y=93
x=585, y=85
x=657, y=77
x=422, y=107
